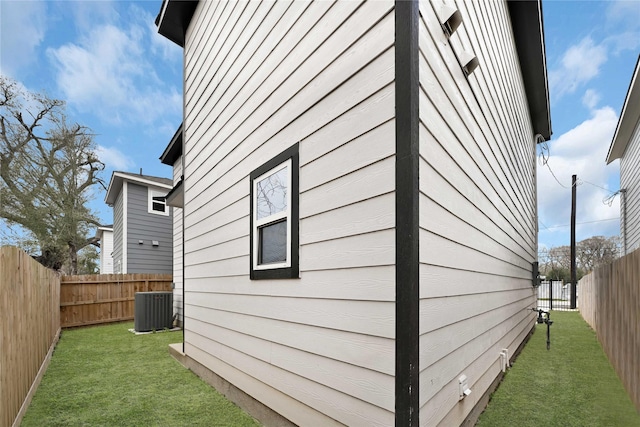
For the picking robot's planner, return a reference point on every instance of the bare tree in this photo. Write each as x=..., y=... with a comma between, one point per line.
x=596, y=251
x=555, y=262
x=48, y=169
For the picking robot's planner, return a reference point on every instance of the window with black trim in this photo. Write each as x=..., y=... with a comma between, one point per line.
x=274, y=217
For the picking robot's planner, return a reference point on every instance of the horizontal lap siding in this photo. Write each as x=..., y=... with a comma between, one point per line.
x=477, y=208
x=106, y=251
x=118, y=234
x=630, y=181
x=145, y=226
x=177, y=246
x=260, y=77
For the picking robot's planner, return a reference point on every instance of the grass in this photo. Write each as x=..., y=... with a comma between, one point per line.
x=107, y=376
x=573, y=384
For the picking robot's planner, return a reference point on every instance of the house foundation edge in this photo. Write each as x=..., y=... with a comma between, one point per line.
x=482, y=403
x=265, y=415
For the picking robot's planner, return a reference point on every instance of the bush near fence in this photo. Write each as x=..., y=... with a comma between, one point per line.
x=29, y=330
x=104, y=298
x=609, y=301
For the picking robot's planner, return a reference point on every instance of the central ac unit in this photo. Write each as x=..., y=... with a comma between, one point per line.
x=153, y=311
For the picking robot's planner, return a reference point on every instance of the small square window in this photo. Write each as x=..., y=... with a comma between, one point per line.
x=157, y=203
x=274, y=217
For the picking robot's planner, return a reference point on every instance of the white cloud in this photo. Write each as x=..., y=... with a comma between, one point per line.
x=108, y=72
x=160, y=45
x=87, y=13
x=579, y=64
x=623, y=25
x=581, y=151
x=114, y=158
x=590, y=99
x=624, y=13
x=22, y=29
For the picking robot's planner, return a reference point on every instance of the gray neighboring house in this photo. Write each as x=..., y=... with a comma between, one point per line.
x=626, y=147
x=142, y=223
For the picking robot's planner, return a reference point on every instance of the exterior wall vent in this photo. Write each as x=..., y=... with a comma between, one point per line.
x=153, y=311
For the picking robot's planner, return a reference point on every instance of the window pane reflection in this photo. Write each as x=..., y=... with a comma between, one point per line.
x=272, y=193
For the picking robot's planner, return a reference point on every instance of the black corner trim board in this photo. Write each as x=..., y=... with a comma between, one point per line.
x=292, y=272
x=407, y=404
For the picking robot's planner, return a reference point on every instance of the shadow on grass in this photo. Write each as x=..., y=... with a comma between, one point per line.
x=573, y=384
x=107, y=376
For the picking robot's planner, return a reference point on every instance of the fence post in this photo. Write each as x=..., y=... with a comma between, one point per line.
x=550, y=294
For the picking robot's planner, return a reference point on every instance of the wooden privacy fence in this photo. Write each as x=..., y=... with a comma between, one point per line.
x=102, y=298
x=29, y=330
x=609, y=301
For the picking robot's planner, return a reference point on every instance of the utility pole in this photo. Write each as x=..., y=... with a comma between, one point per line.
x=573, y=242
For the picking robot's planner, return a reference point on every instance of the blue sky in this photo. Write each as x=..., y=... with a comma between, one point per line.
x=124, y=81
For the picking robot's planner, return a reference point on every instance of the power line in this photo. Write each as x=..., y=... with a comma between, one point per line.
x=545, y=155
x=597, y=186
x=579, y=223
x=542, y=223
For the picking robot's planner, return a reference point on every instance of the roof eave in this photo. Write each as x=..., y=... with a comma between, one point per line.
x=115, y=183
x=175, y=197
x=174, y=149
x=528, y=31
x=117, y=178
x=174, y=18
x=629, y=117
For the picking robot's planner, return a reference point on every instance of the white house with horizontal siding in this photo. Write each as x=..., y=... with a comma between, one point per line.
x=105, y=233
x=626, y=147
x=359, y=192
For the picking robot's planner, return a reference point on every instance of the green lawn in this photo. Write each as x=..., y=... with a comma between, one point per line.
x=573, y=384
x=107, y=376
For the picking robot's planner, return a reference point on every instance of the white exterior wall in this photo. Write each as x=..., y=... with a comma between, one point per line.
x=478, y=234
x=630, y=181
x=120, y=232
x=106, y=249
x=177, y=246
x=260, y=77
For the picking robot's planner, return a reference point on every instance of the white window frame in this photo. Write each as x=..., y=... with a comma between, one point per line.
x=285, y=214
x=156, y=193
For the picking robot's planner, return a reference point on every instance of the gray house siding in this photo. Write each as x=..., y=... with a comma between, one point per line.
x=142, y=225
x=118, y=231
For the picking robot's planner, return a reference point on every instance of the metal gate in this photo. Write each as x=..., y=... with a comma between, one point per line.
x=554, y=295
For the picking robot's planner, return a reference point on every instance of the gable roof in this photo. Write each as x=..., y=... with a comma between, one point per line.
x=118, y=178
x=629, y=117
